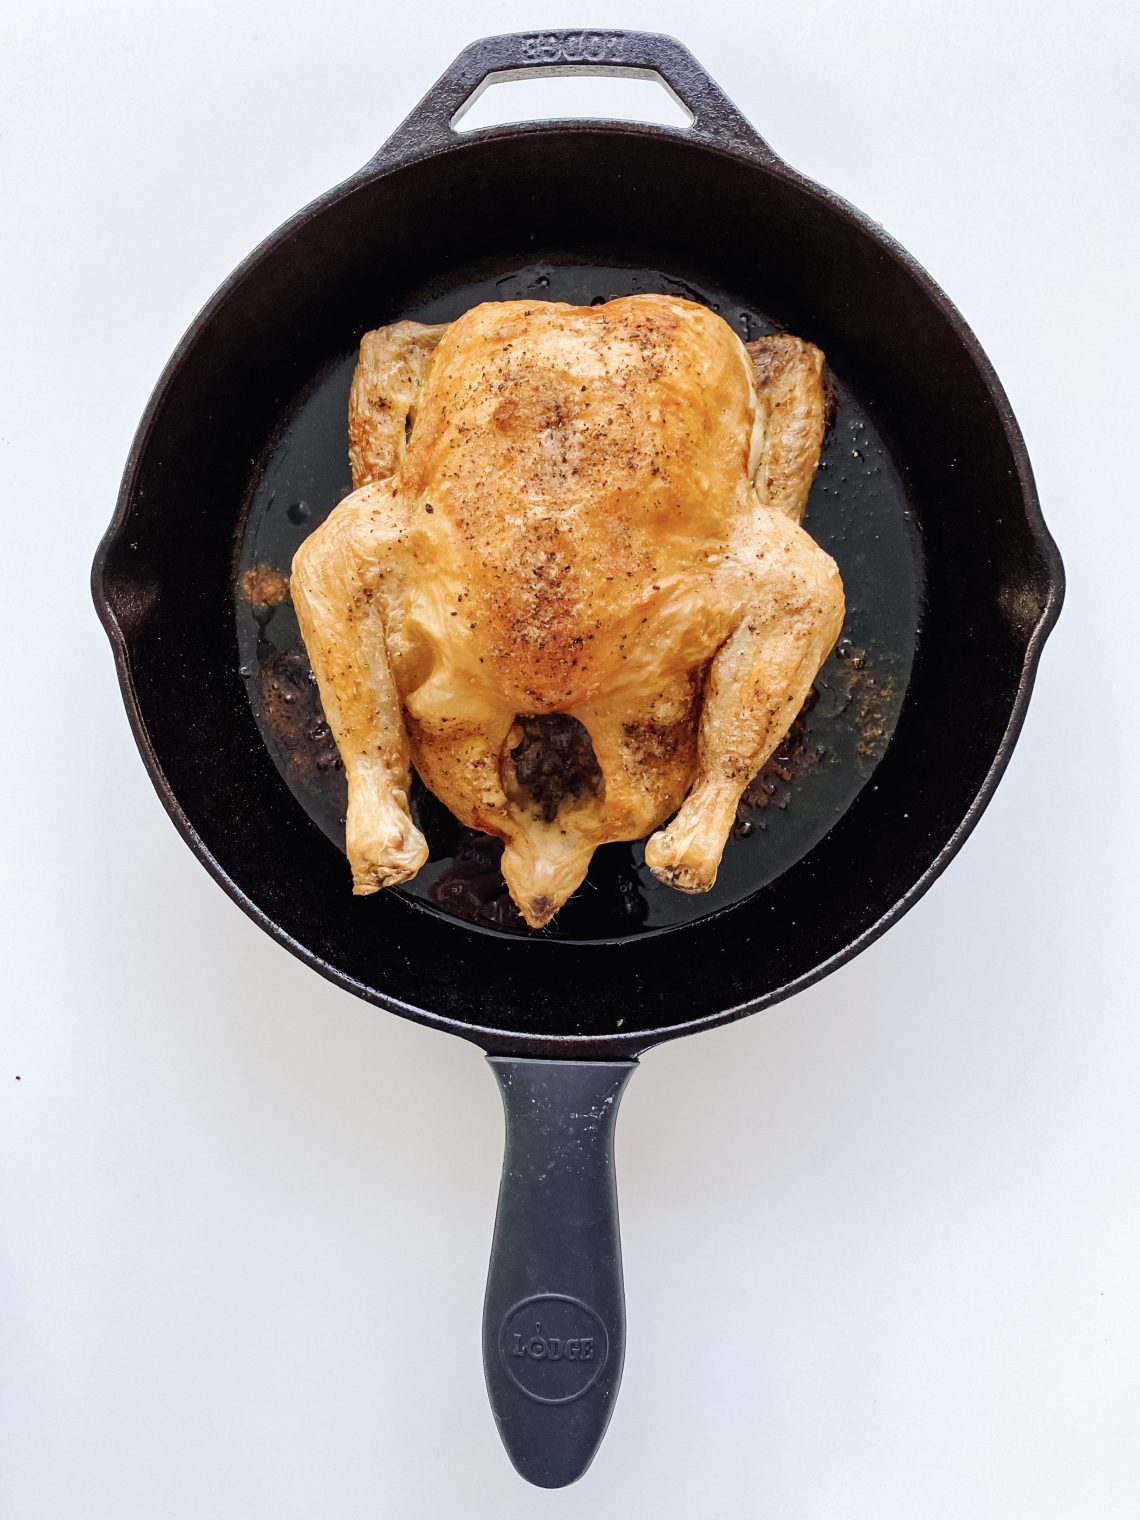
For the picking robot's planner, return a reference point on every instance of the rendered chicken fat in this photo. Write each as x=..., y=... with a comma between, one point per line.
x=585, y=511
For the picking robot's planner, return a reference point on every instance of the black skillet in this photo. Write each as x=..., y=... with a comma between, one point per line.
x=925, y=496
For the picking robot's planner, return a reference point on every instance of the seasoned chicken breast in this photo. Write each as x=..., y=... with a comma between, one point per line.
x=571, y=586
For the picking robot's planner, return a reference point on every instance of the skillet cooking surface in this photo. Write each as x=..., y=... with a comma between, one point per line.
x=858, y=511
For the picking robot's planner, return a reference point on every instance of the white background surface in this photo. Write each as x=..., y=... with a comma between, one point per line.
x=882, y=1244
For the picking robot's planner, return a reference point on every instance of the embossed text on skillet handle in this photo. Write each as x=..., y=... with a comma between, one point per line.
x=554, y=1316
x=429, y=128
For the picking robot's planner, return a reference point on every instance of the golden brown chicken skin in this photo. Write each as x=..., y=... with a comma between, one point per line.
x=584, y=511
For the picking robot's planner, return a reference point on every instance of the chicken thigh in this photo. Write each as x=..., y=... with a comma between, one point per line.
x=572, y=526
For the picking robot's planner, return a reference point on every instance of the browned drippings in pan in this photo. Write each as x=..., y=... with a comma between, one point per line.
x=858, y=511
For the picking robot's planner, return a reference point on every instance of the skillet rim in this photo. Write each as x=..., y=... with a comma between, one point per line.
x=752, y=154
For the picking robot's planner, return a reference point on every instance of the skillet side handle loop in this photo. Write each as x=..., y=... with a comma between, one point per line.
x=554, y=1315
x=429, y=128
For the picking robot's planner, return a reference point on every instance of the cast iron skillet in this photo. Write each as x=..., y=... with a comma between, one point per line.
x=432, y=222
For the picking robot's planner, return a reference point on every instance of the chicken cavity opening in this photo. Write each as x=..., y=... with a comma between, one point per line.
x=553, y=761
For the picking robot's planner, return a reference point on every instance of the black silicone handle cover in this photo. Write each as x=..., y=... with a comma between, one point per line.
x=554, y=1316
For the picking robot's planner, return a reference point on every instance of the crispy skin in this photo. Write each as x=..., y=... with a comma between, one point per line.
x=579, y=460
x=596, y=513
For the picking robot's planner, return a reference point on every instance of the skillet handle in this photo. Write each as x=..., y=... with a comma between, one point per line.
x=554, y=1315
x=430, y=128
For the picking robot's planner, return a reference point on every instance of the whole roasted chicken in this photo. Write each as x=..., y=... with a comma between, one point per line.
x=570, y=585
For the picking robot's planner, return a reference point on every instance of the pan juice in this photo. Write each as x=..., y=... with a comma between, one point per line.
x=858, y=511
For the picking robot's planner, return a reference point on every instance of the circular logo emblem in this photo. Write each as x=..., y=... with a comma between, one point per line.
x=553, y=1347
